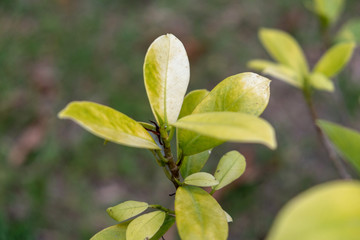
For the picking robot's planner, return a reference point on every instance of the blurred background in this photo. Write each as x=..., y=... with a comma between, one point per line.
x=56, y=180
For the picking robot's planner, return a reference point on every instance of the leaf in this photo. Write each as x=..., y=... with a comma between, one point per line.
x=328, y=10
x=244, y=92
x=346, y=141
x=168, y=222
x=194, y=163
x=126, y=210
x=117, y=231
x=335, y=59
x=145, y=226
x=191, y=100
x=321, y=82
x=284, y=48
x=198, y=215
x=278, y=71
x=231, y=166
x=350, y=31
x=225, y=126
x=201, y=179
x=109, y=124
x=328, y=211
x=228, y=217
x=166, y=76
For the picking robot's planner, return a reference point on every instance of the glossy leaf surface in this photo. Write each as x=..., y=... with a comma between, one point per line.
x=109, y=124
x=117, y=231
x=321, y=82
x=168, y=222
x=201, y=179
x=225, y=126
x=284, y=49
x=198, y=215
x=346, y=141
x=194, y=163
x=329, y=211
x=278, y=71
x=231, y=166
x=126, y=210
x=145, y=226
x=166, y=75
x=335, y=59
x=191, y=100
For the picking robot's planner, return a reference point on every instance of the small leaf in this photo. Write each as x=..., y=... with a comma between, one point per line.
x=194, y=163
x=346, y=141
x=231, y=166
x=168, y=222
x=328, y=10
x=198, y=215
x=109, y=124
x=321, y=82
x=126, y=210
x=191, y=100
x=278, y=71
x=228, y=217
x=244, y=92
x=226, y=126
x=117, y=232
x=329, y=211
x=145, y=226
x=284, y=48
x=335, y=59
x=350, y=31
x=201, y=179
x=166, y=76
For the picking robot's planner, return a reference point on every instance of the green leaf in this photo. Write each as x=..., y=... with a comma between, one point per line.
x=225, y=126
x=145, y=226
x=126, y=210
x=346, y=141
x=231, y=166
x=350, y=31
x=284, y=48
x=117, y=232
x=329, y=211
x=244, y=92
x=166, y=75
x=278, y=71
x=109, y=124
x=168, y=222
x=228, y=217
x=328, y=10
x=194, y=163
x=321, y=82
x=335, y=59
x=201, y=179
x=191, y=100
x=198, y=215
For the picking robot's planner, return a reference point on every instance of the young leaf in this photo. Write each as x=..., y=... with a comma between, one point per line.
x=191, y=100
x=228, y=217
x=278, y=71
x=145, y=226
x=335, y=59
x=346, y=141
x=328, y=10
x=321, y=82
x=350, y=31
x=117, y=231
x=244, y=92
x=194, y=163
x=231, y=166
x=198, y=215
x=126, y=210
x=168, y=222
x=201, y=179
x=225, y=126
x=329, y=211
x=109, y=124
x=284, y=49
x=166, y=76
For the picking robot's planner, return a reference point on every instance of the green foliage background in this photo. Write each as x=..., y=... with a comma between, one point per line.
x=56, y=180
